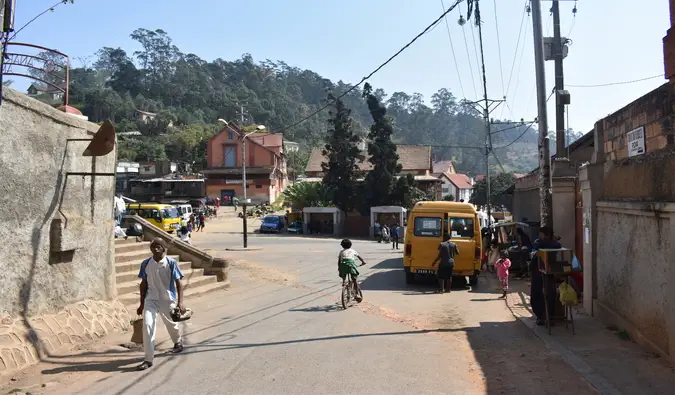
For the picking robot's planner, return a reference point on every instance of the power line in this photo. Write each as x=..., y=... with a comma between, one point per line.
x=452, y=48
x=39, y=15
x=475, y=47
x=520, y=61
x=364, y=79
x=617, y=83
x=517, y=138
x=515, y=53
x=468, y=57
x=499, y=48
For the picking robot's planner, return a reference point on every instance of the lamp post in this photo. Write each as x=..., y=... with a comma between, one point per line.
x=243, y=173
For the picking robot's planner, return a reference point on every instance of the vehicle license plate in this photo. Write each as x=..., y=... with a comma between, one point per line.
x=425, y=271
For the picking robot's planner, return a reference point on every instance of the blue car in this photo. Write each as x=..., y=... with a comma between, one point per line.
x=272, y=224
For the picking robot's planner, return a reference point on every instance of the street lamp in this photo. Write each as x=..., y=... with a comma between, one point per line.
x=243, y=171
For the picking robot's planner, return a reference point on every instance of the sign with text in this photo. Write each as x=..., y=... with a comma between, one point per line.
x=635, y=139
x=239, y=182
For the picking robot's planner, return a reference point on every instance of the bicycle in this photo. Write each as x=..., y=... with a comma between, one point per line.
x=350, y=291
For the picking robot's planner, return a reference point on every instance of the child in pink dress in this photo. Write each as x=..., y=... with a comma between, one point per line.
x=502, y=265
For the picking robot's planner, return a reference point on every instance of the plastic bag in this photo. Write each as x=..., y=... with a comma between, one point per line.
x=576, y=265
x=568, y=295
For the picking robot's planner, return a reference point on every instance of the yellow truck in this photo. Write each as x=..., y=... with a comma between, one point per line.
x=427, y=222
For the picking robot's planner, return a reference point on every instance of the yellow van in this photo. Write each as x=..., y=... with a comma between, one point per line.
x=427, y=222
x=164, y=216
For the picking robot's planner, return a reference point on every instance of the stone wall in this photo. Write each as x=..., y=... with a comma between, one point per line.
x=57, y=225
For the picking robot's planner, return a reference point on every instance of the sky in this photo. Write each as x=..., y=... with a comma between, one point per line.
x=612, y=41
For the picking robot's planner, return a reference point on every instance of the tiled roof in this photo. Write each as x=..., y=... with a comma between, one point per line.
x=442, y=166
x=411, y=157
x=461, y=181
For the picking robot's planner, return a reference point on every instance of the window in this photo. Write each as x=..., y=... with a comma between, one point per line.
x=230, y=156
x=229, y=135
x=170, y=212
x=461, y=227
x=427, y=227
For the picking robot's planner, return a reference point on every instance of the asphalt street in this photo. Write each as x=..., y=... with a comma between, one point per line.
x=279, y=330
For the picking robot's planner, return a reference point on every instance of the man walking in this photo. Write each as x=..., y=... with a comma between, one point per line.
x=161, y=292
x=447, y=251
x=120, y=207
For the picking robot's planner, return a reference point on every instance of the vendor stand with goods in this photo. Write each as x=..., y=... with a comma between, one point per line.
x=556, y=266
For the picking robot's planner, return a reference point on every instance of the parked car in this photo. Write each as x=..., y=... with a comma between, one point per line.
x=272, y=224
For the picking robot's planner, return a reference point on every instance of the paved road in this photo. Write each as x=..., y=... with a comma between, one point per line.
x=279, y=330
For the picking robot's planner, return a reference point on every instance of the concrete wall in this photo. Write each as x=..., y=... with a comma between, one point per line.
x=57, y=228
x=634, y=254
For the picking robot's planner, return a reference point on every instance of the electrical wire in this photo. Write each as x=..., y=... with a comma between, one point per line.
x=452, y=48
x=616, y=83
x=380, y=67
x=520, y=61
x=475, y=47
x=468, y=57
x=517, y=138
x=515, y=54
x=499, y=48
x=39, y=15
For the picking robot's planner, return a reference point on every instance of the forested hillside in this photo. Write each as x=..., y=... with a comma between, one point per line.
x=190, y=94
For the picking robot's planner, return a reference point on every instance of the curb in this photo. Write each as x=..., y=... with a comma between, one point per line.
x=236, y=249
x=586, y=371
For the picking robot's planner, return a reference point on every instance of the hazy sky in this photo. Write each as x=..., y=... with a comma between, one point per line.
x=613, y=41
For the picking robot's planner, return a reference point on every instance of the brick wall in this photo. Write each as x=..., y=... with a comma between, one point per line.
x=669, y=45
x=654, y=111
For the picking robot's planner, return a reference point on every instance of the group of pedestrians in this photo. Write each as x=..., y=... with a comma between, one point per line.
x=385, y=234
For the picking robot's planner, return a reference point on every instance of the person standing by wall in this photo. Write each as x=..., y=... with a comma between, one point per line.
x=161, y=292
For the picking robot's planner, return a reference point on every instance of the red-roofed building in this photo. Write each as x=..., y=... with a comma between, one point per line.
x=265, y=166
x=457, y=185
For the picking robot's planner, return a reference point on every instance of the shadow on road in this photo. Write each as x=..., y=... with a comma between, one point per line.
x=394, y=280
x=391, y=263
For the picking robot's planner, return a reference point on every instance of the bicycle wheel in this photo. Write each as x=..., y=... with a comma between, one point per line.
x=358, y=295
x=346, y=295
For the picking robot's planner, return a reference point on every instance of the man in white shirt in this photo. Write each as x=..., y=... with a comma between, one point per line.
x=120, y=207
x=161, y=292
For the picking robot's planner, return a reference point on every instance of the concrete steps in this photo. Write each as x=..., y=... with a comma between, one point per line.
x=128, y=257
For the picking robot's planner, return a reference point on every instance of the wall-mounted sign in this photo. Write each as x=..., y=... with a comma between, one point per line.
x=635, y=140
x=238, y=182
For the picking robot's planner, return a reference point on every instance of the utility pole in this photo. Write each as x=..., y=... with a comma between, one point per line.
x=487, y=103
x=545, y=183
x=560, y=151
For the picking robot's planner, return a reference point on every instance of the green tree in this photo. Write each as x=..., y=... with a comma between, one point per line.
x=342, y=155
x=449, y=198
x=159, y=77
x=308, y=194
x=499, y=183
x=296, y=163
x=381, y=180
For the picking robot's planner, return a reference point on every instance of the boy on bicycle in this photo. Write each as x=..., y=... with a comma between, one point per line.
x=347, y=262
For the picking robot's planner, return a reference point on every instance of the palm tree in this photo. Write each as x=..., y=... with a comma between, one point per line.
x=308, y=194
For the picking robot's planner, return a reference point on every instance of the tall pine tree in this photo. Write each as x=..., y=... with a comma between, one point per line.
x=342, y=153
x=383, y=186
